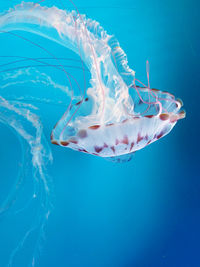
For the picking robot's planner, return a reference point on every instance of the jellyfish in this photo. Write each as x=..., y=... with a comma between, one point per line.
x=113, y=118
x=124, y=116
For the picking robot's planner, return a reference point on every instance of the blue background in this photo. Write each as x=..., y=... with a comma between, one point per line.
x=144, y=213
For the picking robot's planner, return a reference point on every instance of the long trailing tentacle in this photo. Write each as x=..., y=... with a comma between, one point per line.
x=30, y=132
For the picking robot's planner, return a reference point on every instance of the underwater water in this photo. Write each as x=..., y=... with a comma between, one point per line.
x=60, y=207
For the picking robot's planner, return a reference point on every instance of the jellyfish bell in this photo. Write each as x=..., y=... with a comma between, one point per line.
x=154, y=114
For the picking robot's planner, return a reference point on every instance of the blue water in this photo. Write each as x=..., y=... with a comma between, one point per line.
x=143, y=213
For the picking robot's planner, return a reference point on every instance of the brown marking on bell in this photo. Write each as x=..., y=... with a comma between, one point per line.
x=82, y=133
x=124, y=121
x=86, y=99
x=160, y=135
x=64, y=143
x=139, y=138
x=125, y=140
x=98, y=149
x=51, y=137
x=109, y=124
x=94, y=127
x=164, y=116
x=139, y=87
x=113, y=149
x=149, y=116
x=116, y=142
x=105, y=145
x=136, y=117
x=148, y=142
x=78, y=103
x=155, y=90
x=73, y=141
x=83, y=150
x=132, y=145
x=54, y=142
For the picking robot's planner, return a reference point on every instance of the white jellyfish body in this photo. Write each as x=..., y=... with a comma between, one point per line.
x=113, y=139
x=124, y=117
